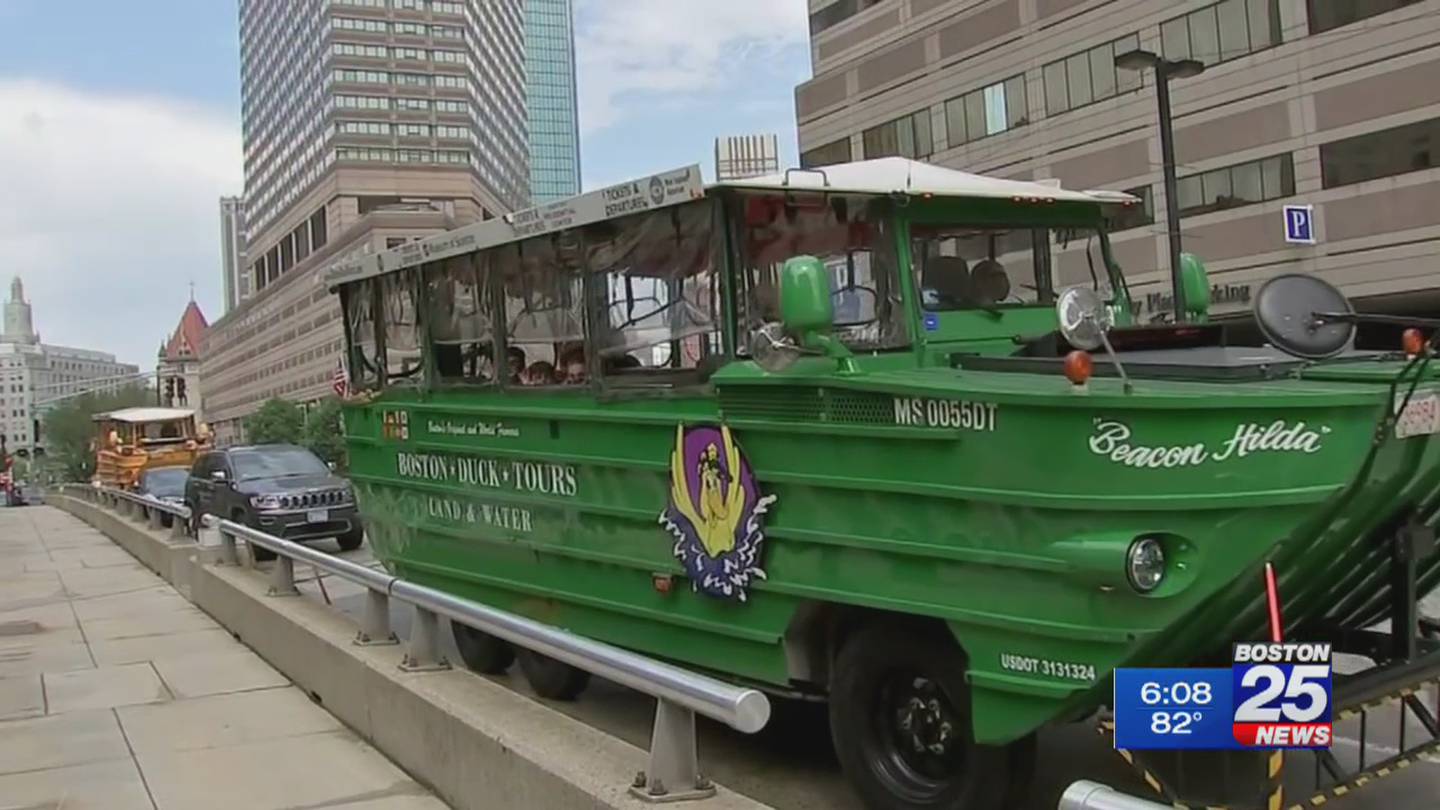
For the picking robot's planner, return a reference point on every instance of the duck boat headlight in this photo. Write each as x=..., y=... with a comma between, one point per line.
x=1145, y=564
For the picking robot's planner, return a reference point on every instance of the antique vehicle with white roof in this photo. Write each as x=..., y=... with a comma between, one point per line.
x=883, y=433
x=131, y=441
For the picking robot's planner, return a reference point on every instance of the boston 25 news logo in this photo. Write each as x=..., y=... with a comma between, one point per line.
x=1282, y=695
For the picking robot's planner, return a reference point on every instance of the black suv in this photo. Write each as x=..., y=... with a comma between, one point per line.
x=280, y=489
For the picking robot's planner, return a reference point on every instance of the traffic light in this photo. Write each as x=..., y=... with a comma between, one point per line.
x=180, y=391
x=170, y=391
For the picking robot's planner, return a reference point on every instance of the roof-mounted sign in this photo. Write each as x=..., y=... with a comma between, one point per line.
x=631, y=197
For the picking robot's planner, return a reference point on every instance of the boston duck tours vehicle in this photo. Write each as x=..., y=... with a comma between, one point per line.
x=840, y=432
x=131, y=441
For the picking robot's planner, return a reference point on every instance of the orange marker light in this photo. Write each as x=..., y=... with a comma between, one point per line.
x=1078, y=367
x=1414, y=341
x=663, y=583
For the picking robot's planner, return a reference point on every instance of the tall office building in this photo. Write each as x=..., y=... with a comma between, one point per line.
x=36, y=376
x=366, y=123
x=236, y=281
x=1324, y=103
x=550, y=95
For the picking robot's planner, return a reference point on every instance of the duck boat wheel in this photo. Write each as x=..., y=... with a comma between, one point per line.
x=886, y=434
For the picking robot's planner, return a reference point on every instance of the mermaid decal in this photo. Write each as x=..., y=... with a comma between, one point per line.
x=715, y=512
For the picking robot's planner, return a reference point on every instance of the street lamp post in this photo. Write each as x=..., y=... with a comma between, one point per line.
x=1165, y=70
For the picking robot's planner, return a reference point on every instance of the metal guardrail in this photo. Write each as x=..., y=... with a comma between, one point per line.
x=1087, y=795
x=673, y=773
x=142, y=507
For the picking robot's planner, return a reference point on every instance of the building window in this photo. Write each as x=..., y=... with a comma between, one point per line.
x=1089, y=76
x=318, y=235
x=361, y=76
x=1133, y=216
x=1224, y=31
x=1398, y=150
x=363, y=102
x=909, y=136
x=833, y=152
x=1234, y=186
x=350, y=24
x=364, y=128
x=988, y=111
x=838, y=12
x=1328, y=14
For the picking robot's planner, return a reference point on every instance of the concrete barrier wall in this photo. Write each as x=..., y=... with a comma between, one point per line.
x=474, y=742
x=157, y=550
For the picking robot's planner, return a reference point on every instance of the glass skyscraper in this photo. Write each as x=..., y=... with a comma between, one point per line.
x=550, y=96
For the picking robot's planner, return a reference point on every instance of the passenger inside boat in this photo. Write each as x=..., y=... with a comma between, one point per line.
x=515, y=358
x=539, y=372
x=572, y=367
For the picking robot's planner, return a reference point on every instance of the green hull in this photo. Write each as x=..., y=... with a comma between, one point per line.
x=1010, y=524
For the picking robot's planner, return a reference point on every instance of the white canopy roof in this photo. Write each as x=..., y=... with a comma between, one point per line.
x=899, y=175
x=890, y=175
x=145, y=414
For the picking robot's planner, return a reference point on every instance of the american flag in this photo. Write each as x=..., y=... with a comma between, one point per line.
x=339, y=380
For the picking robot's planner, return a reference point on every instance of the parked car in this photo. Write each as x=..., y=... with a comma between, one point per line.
x=280, y=489
x=165, y=484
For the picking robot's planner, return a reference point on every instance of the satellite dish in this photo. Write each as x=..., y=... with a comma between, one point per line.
x=772, y=349
x=1287, y=309
x=1084, y=318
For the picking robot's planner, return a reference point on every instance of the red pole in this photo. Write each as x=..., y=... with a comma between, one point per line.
x=1272, y=598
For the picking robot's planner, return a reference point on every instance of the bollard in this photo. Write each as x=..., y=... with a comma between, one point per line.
x=423, y=655
x=375, y=628
x=228, y=554
x=282, y=576
x=179, y=530
x=157, y=518
x=673, y=773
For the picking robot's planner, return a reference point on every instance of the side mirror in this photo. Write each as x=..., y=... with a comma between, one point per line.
x=331, y=465
x=807, y=310
x=1195, y=283
x=805, y=302
x=219, y=476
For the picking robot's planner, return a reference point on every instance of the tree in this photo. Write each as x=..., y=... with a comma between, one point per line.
x=278, y=421
x=70, y=429
x=323, y=433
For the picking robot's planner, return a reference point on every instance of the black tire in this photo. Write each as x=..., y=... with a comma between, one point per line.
x=481, y=651
x=551, y=679
x=900, y=722
x=353, y=539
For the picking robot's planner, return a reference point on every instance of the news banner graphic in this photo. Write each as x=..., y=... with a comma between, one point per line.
x=1274, y=696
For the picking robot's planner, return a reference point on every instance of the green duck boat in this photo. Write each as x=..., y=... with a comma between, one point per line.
x=839, y=433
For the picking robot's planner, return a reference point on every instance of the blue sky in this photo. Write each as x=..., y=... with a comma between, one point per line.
x=119, y=129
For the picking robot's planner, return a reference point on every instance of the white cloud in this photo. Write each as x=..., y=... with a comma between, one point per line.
x=109, y=210
x=640, y=52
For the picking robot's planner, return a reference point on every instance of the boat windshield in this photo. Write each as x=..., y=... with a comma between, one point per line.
x=162, y=432
x=852, y=236
x=962, y=267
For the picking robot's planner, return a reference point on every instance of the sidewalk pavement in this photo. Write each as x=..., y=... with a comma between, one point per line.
x=117, y=693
